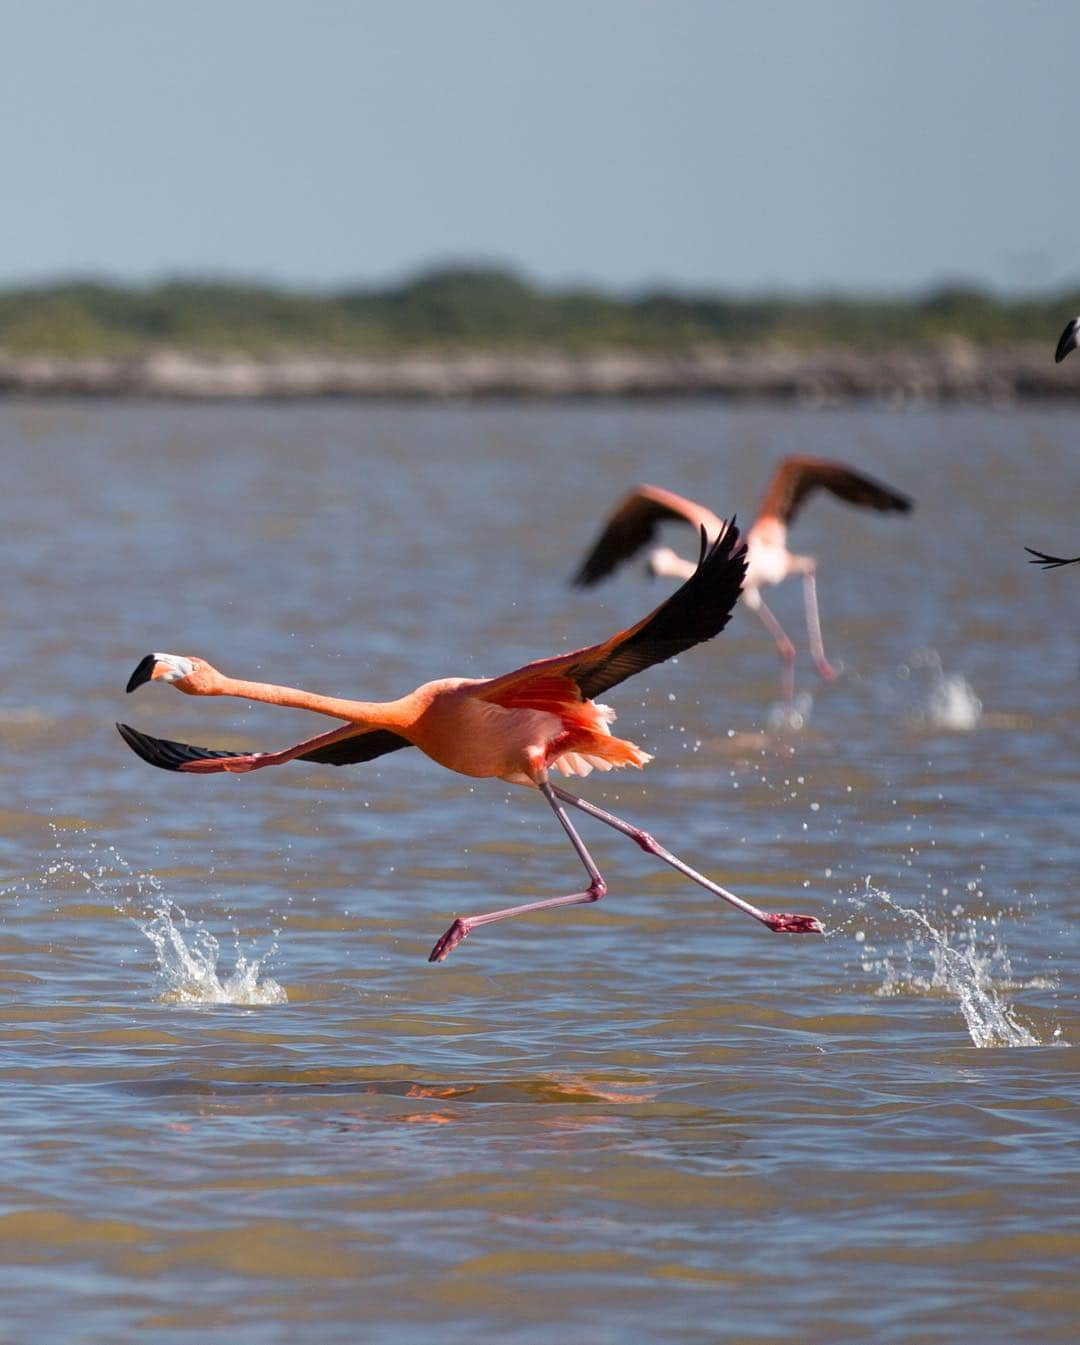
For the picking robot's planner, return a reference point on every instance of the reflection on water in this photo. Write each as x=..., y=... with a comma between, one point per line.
x=643, y=1120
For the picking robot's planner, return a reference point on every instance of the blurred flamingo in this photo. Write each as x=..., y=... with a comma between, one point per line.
x=634, y=523
x=515, y=728
x=1069, y=340
x=1050, y=562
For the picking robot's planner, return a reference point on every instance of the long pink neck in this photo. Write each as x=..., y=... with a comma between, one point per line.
x=372, y=714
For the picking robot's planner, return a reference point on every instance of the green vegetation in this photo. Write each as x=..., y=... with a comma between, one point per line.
x=486, y=307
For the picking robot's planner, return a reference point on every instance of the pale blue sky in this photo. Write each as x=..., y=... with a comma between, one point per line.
x=739, y=144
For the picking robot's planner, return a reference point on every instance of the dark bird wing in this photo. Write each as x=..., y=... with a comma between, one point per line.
x=339, y=747
x=1068, y=341
x=695, y=612
x=1050, y=562
x=357, y=748
x=797, y=478
x=634, y=524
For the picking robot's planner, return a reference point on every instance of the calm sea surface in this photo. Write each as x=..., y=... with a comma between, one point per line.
x=237, y=1103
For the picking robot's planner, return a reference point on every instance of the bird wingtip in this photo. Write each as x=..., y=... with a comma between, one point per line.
x=160, y=752
x=1068, y=340
x=1049, y=562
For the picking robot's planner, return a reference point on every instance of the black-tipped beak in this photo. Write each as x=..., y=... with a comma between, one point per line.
x=142, y=673
x=1068, y=340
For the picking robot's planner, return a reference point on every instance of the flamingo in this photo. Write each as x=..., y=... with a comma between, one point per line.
x=634, y=523
x=1069, y=340
x=1050, y=562
x=514, y=728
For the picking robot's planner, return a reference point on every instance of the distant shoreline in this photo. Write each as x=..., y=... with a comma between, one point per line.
x=950, y=371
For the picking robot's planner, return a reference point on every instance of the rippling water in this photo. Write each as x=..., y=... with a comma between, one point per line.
x=235, y=1097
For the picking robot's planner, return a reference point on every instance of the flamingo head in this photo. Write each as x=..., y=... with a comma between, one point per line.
x=194, y=676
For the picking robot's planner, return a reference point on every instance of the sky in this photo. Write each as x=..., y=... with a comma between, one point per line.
x=735, y=145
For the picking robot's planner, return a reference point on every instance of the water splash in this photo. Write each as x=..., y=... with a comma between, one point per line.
x=969, y=964
x=187, y=955
x=187, y=952
x=947, y=700
x=785, y=718
x=952, y=704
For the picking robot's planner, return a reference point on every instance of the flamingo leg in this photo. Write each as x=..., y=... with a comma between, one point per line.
x=464, y=925
x=813, y=628
x=779, y=923
x=787, y=652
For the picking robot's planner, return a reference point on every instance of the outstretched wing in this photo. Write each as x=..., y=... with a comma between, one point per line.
x=634, y=524
x=695, y=612
x=1050, y=562
x=339, y=747
x=797, y=478
x=1068, y=340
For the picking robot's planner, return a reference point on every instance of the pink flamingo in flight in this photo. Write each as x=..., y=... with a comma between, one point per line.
x=517, y=727
x=635, y=520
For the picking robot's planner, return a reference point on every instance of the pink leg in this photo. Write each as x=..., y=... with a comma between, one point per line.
x=787, y=653
x=813, y=628
x=464, y=925
x=780, y=924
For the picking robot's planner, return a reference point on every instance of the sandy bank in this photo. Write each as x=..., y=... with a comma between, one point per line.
x=950, y=371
